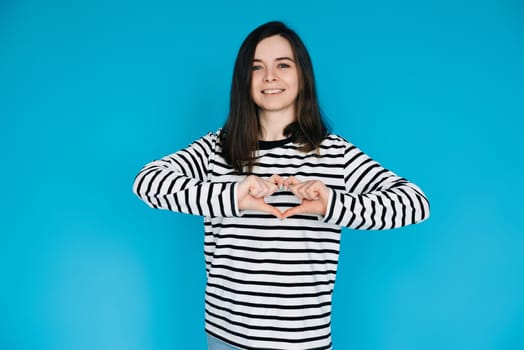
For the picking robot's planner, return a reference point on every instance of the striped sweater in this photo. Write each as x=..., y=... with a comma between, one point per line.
x=270, y=281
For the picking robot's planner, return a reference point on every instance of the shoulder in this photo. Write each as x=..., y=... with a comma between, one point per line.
x=335, y=141
x=205, y=144
x=211, y=138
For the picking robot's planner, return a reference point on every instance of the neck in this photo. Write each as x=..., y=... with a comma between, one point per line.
x=273, y=124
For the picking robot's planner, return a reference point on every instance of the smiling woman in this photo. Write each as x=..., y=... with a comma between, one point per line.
x=275, y=188
x=274, y=86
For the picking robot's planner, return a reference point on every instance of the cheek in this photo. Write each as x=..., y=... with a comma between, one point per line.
x=295, y=81
x=296, y=85
x=253, y=88
x=255, y=81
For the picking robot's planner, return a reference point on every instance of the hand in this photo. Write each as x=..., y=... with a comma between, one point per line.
x=253, y=189
x=314, y=195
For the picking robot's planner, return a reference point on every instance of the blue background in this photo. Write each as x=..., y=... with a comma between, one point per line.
x=90, y=91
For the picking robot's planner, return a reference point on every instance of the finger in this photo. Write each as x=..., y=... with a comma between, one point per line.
x=249, y=185
x=321, y=190
x=295, y=189
x=290, y=181
x=271, y=187
x=306, y=207
x=292, y=211
x=277, y=180
x=299, y=190
x=313, y=190
x=258, y=188
x=270, y=209
x=259, y=192
x=244, y=186
x=302, y=189
x=310, y=191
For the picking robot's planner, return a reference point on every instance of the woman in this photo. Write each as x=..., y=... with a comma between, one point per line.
x=275, y=187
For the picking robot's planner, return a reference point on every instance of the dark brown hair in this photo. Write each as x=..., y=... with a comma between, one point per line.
x=241, y=131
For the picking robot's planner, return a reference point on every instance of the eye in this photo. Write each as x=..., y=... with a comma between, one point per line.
x=283, y=65
x=256, y=67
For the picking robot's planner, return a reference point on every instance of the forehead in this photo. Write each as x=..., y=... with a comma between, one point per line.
x=273, y=47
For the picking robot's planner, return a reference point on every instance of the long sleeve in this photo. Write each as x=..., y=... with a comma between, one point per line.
x=374, y=198
x=178, y=182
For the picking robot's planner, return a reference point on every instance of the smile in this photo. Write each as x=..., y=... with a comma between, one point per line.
x=272, y=91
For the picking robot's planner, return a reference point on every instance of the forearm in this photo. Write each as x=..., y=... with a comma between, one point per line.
x=163, y=188
x=397, y=206
x=179, y=182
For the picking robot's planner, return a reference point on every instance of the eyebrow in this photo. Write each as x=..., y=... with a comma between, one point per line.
x=276, y=59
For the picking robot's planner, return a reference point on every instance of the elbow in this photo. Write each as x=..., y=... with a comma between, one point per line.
x=424, y=211
x=137, y=188
x=140, y=189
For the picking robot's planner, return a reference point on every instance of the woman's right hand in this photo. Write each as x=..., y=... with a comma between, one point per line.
x=252, y=191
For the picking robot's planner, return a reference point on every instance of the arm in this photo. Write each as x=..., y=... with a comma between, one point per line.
x=178, y=183
x=375, y=198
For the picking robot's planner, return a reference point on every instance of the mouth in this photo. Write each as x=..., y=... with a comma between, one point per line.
x=272, y=91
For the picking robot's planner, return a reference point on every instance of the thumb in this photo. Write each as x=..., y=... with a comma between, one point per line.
x=270, y=209
x=290, y=212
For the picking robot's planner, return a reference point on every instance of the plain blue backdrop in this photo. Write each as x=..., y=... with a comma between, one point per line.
x=90, y=91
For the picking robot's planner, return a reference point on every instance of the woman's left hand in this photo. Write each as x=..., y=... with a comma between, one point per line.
x=314, y=195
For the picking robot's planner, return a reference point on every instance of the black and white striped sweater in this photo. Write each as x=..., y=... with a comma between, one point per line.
x=270, y=281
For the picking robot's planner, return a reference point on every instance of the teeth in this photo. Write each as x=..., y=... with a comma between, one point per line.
x=272, y=91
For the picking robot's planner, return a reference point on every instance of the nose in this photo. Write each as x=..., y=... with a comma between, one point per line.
x=270, y=76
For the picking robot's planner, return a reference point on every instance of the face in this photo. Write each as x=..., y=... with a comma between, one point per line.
x=274, y=86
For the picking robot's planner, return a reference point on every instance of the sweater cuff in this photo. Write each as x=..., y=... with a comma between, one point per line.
x=330, y=206
x=234, y=199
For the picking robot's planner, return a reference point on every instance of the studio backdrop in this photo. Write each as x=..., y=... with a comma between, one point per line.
x=90, y=91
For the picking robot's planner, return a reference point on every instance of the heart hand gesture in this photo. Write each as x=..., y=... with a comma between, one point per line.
x=253, y=189
x=314, y=195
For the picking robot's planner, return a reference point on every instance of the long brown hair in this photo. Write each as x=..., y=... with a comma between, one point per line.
x=241, y=131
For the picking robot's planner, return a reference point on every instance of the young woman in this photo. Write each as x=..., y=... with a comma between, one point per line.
x=275, y=188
